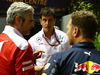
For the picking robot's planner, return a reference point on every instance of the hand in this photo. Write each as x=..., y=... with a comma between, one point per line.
x=38, y=70
x=37, y=54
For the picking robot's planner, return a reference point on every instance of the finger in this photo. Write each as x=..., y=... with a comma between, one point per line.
x=40, y=53
x=39, y=50
x=39, y=56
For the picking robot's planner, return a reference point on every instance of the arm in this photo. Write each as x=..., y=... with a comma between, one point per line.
x=24, y=63
x=39, y=70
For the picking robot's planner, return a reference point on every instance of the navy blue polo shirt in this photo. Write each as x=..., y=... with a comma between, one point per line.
x=82, y=59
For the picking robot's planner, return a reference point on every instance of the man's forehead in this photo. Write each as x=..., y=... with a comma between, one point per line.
x=70, y=21
x=47, y=16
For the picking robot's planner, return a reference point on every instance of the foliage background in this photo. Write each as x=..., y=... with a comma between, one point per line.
x=91, y=5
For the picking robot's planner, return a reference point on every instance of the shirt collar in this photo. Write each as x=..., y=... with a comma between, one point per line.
x=84, y=45
x=44, y=33
x=12, y=30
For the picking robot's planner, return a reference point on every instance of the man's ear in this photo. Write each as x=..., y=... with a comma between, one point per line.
x=40, y=21
x=55, y=19
x=76, y=31
x=18, y=20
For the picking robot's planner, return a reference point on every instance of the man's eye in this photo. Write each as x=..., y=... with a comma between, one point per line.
x=33, y=21
x=50, y=20
x=44, y=20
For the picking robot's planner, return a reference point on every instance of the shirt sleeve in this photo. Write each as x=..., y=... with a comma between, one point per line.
x=51, y=68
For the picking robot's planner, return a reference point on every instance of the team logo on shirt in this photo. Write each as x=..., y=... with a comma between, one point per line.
x=61, y=38
x=39, y=39
x=87, y=66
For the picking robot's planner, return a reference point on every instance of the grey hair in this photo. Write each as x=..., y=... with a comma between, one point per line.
x=18, y=9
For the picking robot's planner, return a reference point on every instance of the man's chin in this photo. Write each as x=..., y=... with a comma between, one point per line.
x=47, y=30
x=27, y=33
x=70, y=43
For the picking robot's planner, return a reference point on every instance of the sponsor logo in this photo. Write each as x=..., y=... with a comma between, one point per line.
x=27, y=62
x=87, y=66
x=47, y=66
x=44, y=74
x=88, y=53
x=27, y=67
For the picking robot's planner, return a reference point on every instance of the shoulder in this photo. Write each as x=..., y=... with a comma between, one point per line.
x=63, y=54
x=20, y=42
x=34, y=37
x=60, y=33
x=67, y=54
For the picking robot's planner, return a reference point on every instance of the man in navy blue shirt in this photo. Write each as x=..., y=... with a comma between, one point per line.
x=83, y=58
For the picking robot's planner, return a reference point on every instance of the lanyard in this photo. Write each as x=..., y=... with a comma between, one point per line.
x=49, y=43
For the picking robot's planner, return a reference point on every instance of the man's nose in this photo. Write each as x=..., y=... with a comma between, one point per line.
x=47, y=22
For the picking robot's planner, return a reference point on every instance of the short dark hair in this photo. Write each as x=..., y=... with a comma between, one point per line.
x=47, y=11
x=86, y=21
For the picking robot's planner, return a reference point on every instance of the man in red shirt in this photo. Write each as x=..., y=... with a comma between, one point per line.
x=16, y=55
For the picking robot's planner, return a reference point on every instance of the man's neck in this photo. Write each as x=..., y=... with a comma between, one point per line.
x=49, y=34
x=80, y=39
